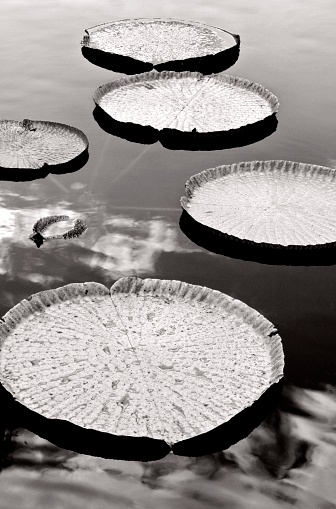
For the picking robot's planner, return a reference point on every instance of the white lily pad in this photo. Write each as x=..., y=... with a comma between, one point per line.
x=186, y=102
x=276, y=203
x=158, y=359
x=163, y=43
x=34, y=144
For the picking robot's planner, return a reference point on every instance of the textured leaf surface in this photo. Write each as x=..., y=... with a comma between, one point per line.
x=276, y=202
x=161, y=359
x=156, y=41
x=31, y=144
x=186, y=101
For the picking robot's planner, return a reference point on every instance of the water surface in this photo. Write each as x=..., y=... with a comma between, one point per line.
x=128, y=195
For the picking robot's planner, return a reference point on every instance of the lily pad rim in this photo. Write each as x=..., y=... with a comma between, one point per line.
x=132, y=285
x=153, y=75
x=210, y=174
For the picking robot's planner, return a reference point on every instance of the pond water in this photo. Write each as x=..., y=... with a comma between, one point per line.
x=128, y=195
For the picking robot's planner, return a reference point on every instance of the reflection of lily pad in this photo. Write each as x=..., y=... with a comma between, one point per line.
x=276, y=205
x=130, y=371
x=43, y=224
x=39, y=145
x=186, y=105
x=139, y=45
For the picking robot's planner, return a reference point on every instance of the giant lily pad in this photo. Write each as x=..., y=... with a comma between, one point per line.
x=32, y=146
x=135, y=372
x=139, y=45
x=280, y=207
x=194, y=108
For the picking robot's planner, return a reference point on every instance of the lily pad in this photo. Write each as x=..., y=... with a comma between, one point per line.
x=79, y=227
x=190, y=107
x=138, y=45
x=280, y=207
x=150, y=366
x=35, y=146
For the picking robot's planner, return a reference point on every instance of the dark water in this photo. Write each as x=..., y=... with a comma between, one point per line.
x=128, y=194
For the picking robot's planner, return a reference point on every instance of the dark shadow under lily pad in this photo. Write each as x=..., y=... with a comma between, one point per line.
x=29, y=174
x=234, y=430
x=126, y=130
x=114, y=62
x=173, y=139
x=271, y=254
x=69, y=436
x=208, y=64
x=219, y=140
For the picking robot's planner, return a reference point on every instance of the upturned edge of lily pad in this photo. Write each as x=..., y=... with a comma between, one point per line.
x=172, y=139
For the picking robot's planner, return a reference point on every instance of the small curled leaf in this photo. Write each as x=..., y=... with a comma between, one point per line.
x=44, y=223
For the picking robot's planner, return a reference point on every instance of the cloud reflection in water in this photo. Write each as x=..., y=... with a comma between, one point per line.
x=288, y=461
x=118, y=242
x=131, y=246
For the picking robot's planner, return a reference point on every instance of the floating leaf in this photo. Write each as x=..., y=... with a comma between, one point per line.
x=269, y=204
x=44, y=223
x=37, y=144
x=132, y=372
x=140, y=45
x=188, y=105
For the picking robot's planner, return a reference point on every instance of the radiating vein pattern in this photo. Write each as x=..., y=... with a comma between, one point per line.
x=186, y=101
x=158, y=40
x=31, y=144
x=276, y=202
x=161, y=359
